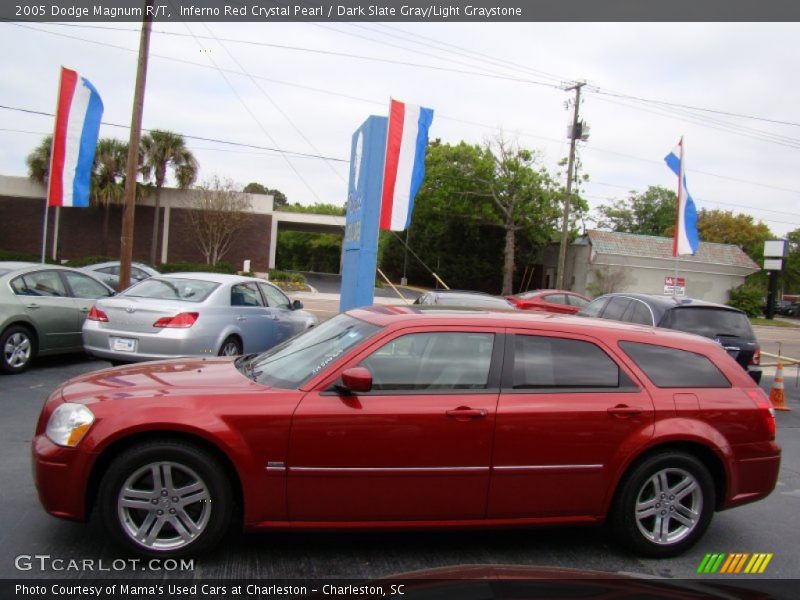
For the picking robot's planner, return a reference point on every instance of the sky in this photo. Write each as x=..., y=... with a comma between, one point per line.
x=305, y=87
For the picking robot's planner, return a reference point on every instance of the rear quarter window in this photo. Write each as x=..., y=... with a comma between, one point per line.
x=674, y=368
x=709, y=322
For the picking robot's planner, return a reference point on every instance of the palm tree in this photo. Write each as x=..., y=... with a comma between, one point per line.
x=163, y=149
x=108, y=178
x=38, y=161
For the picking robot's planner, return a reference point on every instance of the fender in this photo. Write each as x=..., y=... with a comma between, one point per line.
x=671, y=431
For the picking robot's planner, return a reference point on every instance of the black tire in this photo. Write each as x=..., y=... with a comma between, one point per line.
x=17, y=349
x=190, y=518
x=677, y=489
x=232, y=346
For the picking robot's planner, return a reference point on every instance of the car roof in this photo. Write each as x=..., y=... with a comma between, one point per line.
x=15, y=265
x=419, y=314
x=111, y=263
x=213, y=277
x=670, y=302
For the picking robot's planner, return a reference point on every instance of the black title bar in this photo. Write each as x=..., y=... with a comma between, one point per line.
x=400, y=10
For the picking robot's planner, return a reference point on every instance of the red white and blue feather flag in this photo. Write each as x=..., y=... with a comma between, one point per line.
x=686, y=239
x=404, y=166
x=78, y=116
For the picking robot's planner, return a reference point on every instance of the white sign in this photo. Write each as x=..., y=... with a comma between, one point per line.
x=775, y=249
x=773, y=264
x=675, y=286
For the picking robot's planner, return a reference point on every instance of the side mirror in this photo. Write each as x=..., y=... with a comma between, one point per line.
x=357, y=379
x=297, y=305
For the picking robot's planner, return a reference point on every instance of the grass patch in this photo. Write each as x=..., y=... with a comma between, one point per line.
x=772, y=322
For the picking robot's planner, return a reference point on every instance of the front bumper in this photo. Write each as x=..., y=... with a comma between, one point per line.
x=61, y=476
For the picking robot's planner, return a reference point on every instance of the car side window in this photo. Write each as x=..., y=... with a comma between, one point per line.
x=113, y=270
x=594, y=307
x=552, y=362
x=675, y=368
x=138, y=274
x=275, y=297
x=616, y=308
x=556, y=298
x=638, y=312
x=83, y=286
x=432, y=361
x=40, y=283
x=577, y=301
x=246, y=294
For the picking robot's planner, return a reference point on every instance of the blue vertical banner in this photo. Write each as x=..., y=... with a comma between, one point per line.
x=360, y=248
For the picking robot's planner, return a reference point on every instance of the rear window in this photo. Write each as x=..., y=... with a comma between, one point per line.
x=674, y=368
x=164, y=288
x=710, y=322
x=594, y=307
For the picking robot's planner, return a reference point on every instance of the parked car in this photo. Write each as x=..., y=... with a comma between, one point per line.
x=555, y=301
x=193, y=314
x=464, y=298
x=726, y=325
x=108, y=272
x=42, y=308
x=413, y=416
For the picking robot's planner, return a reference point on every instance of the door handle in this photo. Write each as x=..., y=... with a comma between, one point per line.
x=623, y=410
x=32, y=306
x=465, y=413
x=241, y=318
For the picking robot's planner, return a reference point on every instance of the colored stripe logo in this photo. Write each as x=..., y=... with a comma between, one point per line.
x=735, y=563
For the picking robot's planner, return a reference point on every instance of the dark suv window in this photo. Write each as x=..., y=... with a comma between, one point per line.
x=674, y=368
x=549, y=362
x=710, y=322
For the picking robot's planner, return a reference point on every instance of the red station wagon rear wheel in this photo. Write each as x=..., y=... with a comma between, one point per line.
x=665, y=505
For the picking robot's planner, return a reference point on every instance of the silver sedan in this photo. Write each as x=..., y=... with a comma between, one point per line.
x=108, y=272
x=192, y=314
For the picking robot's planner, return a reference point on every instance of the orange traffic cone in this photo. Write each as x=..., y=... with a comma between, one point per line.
x=776, y=391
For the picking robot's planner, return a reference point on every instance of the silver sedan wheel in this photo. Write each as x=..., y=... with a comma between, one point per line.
x=229, y=349
x=164, y=506
x=17, y=350
x=668, y=506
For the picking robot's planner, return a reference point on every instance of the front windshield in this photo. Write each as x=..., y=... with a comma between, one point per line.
x=289, y=365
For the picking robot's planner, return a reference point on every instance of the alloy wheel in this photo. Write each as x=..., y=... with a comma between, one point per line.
x=669, y=506
x=17, y=350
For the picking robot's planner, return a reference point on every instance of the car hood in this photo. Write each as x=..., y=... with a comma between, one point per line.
x=178, y=377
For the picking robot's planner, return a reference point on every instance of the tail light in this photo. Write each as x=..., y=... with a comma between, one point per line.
x=95, y=314
x=766, y=409
x=182, y=320
x=756, y=360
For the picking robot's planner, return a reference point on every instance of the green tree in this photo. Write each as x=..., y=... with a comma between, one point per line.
x=278, y=197
x=727, y=227
x=38, y=161
x=475, y=207
x=651, y=212
x=108, y=178
x=790, y=276
x=162, y=150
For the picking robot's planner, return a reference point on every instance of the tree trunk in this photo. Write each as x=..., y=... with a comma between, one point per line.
x=156, y=215
x=508, y=261
x=105, y=229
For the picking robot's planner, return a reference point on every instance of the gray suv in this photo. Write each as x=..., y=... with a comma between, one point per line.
x=726, y=325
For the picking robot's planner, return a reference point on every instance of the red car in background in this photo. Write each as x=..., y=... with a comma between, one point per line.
x=554, y=301
x=407, y=417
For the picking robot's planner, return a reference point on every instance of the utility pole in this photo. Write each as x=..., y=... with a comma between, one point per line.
x=574, y=134
x=126, y=240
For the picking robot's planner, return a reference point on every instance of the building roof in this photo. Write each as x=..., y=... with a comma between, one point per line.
x=650, y=246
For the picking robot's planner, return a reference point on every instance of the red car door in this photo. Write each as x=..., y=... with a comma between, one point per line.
x=568, y=415
x=415, y=448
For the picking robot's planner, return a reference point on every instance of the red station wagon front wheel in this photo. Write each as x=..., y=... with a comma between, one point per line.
x=166, y=499
x=665, y=505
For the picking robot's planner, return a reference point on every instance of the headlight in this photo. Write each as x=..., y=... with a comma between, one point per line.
x=68, y=424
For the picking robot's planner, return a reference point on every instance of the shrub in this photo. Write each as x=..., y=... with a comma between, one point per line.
x=276, y=275
x=13, y=255
x=748, y=299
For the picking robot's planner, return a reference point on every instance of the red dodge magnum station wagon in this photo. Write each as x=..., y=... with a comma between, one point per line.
x=399, y=417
